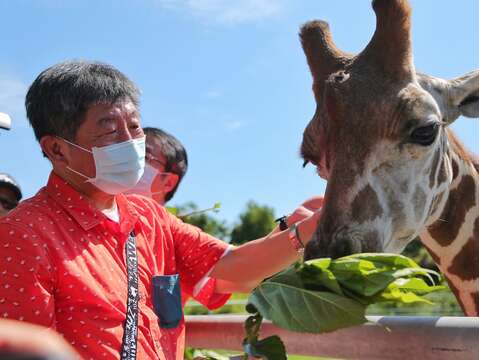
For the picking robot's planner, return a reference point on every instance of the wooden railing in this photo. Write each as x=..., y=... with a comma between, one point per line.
x=384, y=338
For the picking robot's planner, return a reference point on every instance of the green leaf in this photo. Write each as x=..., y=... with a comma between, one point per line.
x=250, y=309
x=270, y=348
x=194, y=354
x=389, y=260
x=316, y=276
x=303, y=310
x=172, y=210
x=208, y=355
x=407, y=291
x=289, y=276
x=216, y=207
x=324, y=295
x=252, y=325
x=369, y=275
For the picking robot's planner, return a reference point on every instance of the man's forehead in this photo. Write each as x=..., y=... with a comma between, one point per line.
x=8, y=192
x=153, y=143
x=117, y=109
x=154, y=147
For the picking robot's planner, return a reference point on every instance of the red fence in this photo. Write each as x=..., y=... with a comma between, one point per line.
x=384, y=338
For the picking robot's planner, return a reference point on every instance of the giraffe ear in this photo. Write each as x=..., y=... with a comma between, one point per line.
x=456, y=97
x=466, y=93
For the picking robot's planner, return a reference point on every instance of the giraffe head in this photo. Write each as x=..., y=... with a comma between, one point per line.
x=379, y=136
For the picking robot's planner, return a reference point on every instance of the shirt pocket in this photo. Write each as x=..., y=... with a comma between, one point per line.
x=167, y=300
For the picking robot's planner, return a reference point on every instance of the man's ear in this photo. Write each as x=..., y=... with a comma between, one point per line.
x=55, y=149
x=455, y=97
x=171, y=180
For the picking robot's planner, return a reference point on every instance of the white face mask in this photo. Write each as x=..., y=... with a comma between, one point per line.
x=118, y=166
x=144, y=186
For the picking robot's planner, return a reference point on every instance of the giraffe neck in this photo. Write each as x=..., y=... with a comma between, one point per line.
x=452, y=238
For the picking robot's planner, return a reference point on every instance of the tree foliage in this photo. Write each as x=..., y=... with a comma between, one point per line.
x=256, y=221
x=204, y=220
x=416, y=251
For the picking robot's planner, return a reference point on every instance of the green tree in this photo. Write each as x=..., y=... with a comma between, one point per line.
x=191, y=214
x=256, y=221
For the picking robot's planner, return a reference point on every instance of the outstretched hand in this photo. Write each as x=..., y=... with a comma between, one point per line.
x=306, y=210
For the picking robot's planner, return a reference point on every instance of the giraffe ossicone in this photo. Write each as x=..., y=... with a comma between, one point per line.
x=380, y=137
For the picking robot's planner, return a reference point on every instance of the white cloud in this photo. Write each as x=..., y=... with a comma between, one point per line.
x=233, y=125
x=12, y=97
x=212, y=94
x=228, y=11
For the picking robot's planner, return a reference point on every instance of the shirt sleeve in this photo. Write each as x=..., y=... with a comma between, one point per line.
x=26, y=277
x=196, y=254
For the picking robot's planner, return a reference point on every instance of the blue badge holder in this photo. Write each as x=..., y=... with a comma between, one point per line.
x=167, y=300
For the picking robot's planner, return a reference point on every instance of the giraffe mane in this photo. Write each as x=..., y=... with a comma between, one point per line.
x=461, y=150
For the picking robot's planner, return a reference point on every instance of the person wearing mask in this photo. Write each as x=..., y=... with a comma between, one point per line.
x=5, y=121
x=103, y=268
x=166, y=165
x=19, y=340
x=10, y=194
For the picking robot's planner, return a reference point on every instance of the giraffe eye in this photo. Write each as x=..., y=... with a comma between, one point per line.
x=425, y=135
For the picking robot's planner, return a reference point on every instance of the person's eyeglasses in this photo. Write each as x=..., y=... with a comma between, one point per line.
x=151, y=158
x=7, y=204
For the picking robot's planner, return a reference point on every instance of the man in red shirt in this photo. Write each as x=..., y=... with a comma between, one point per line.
x=102, y=268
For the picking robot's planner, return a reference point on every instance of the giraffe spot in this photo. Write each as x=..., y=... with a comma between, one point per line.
x=475, y=297
x=466, y=263
x=433, y=169
x=459, y=202
x=455, y=169
x=365, y=206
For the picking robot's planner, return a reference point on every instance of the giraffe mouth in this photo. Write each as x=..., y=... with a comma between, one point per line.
x=322, y=172
x=396, y=245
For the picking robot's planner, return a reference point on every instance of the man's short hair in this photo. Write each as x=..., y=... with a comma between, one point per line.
x=174, y=153
x=7, y=181
x=58, y=99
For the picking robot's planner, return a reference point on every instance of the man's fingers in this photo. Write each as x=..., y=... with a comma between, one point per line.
x=314, y=203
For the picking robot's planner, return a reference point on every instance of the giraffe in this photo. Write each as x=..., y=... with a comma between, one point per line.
x=394, y=169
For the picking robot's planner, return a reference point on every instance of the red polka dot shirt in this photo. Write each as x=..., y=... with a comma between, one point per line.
x=62, y=265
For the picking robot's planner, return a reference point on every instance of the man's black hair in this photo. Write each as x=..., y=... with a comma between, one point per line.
x=58, y=99
x=174, y=153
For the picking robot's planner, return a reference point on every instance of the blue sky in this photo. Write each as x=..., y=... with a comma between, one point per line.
x=227, y=77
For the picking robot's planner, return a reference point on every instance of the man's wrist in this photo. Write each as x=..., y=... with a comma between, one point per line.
x=295, y=239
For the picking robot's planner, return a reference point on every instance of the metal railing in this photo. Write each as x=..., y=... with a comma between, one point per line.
x=384, y=338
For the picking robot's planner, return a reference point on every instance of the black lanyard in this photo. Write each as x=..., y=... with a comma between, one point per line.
x=130, y=335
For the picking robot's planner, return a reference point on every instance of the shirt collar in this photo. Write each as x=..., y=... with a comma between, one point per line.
x=80, y=208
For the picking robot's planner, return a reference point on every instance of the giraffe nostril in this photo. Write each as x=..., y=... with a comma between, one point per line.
x=313, y=250
x=340, y=249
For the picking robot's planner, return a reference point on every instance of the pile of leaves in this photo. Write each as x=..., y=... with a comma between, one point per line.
x=325, y=295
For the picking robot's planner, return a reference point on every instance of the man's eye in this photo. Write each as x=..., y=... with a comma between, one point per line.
x=425, y=135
